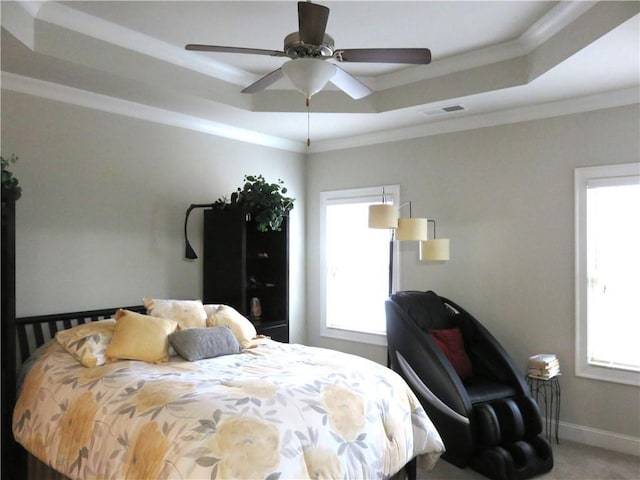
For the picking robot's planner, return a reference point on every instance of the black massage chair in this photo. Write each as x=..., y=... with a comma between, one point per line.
x=470, y=387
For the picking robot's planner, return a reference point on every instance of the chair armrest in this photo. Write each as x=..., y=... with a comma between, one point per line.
x=421, y=389
x=426, y=360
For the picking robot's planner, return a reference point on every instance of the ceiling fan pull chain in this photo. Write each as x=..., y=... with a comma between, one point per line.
x=308, y=123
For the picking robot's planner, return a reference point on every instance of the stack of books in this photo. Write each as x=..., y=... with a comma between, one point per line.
x=544, y=366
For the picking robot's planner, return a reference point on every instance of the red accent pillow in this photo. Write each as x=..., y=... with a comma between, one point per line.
x=452, y=345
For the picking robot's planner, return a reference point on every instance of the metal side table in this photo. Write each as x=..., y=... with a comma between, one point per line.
x=549, y=391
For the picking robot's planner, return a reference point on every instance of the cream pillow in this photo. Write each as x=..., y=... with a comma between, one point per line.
x=188, y=313
x=88, y=342
x=242, y=328
x=140, y=337
x=211, y=309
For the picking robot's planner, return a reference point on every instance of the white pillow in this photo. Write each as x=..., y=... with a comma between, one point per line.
x=188, y=313
x=211, y=309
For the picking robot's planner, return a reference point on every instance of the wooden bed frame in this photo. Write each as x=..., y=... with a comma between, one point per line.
x=29, y=333
x=33, y=332
x=41, y=328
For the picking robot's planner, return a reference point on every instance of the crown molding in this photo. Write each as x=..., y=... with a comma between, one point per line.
x=92, y=26
x=96, y=101
x=555, y=20
x=618, y=98
x=18, y=19
x=74, y=96
x=69, y=18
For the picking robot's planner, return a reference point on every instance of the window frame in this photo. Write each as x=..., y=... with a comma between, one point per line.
x=392, y=194
x=583, y=368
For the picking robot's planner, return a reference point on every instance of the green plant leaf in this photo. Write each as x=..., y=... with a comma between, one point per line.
x=9, y=182
x=264, y=200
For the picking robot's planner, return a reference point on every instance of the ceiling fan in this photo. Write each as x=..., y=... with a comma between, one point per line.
x=310, y=46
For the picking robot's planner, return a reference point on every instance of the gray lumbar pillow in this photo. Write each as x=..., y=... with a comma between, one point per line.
x=198, y=343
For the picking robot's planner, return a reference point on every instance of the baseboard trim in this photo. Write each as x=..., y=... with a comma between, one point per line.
x=599, y=438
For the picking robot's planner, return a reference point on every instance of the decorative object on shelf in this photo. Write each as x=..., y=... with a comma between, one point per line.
x=436, y=249
x=265, y=201
x=9, y=182
x=255, y=308
x=386, y=215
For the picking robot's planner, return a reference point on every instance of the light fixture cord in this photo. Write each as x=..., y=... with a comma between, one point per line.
x=308, y=122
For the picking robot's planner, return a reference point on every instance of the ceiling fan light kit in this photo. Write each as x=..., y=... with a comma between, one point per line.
x=309, y=75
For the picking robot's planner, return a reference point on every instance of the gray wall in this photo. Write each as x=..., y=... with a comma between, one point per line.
x=100, y=221
x=504, y=196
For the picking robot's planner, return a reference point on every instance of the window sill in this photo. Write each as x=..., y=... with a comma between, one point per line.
x=354, y=336
x=605, y=374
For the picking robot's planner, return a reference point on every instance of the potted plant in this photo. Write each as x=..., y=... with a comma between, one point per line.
x=265, y=201
x=9, y=182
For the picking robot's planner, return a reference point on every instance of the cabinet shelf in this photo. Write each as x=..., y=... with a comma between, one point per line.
x=245, y=263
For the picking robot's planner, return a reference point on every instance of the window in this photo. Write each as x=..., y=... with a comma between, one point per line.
x=607, y=272
x=355, y=265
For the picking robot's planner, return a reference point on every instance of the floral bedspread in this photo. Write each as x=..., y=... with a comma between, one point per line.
x=279, y=411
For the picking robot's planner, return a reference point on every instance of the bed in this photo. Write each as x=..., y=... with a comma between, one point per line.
x=272, y=411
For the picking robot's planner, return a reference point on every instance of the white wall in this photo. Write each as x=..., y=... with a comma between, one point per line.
x=100, y=221
x=504, y=196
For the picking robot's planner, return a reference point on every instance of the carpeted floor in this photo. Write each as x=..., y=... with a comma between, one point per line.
x=571, y=461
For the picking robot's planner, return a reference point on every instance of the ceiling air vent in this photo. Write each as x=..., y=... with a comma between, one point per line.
x=443, y=110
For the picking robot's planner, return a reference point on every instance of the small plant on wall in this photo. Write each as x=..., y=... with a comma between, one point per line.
x=265, y=201
x=9, y=182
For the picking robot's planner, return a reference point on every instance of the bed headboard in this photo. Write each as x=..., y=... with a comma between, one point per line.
x=32, y=332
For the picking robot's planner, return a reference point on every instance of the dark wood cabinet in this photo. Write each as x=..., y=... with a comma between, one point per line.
x=10, y=451
x=242, y=264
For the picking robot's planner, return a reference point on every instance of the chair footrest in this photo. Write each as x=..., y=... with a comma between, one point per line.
x=514, y=460
x=507, y=420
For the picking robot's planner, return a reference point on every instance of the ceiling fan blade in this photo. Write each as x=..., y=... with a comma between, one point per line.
x=217, y=48
x=416, y=56
x=264, y=82
x=350, y=84
x=312, y=22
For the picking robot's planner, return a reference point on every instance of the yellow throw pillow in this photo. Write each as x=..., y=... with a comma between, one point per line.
x=140, y=337
x=188, y=313
x=88, y=342
x=242, y=328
